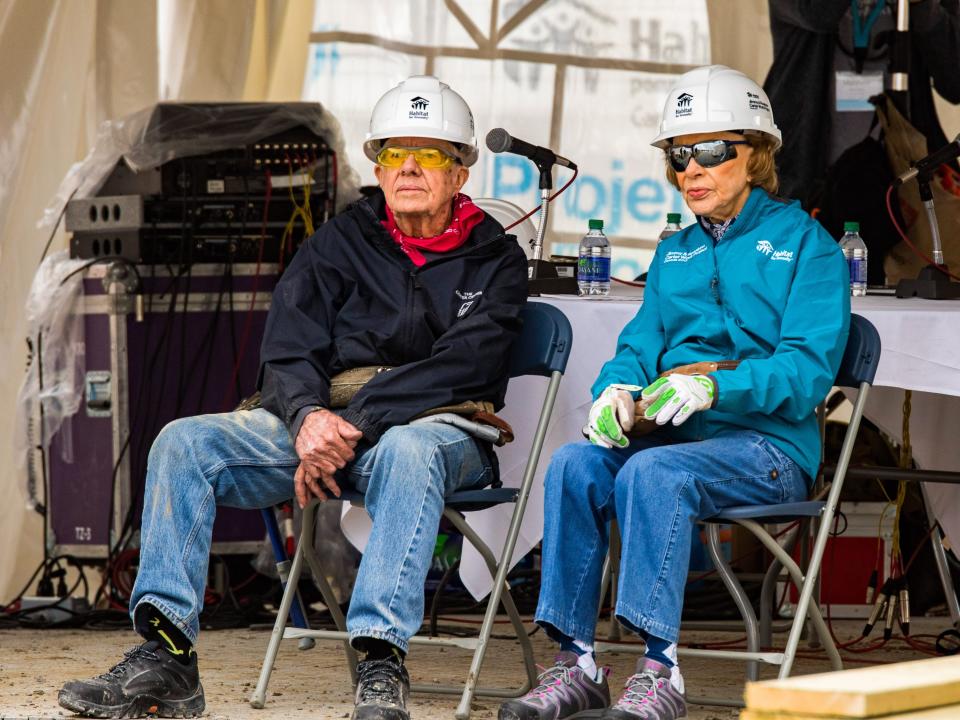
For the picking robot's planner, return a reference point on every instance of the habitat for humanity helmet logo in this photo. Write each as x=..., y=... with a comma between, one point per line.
x=418, y=108
x=684, y=103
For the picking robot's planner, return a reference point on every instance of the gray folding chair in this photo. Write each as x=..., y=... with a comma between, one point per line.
x=857, y=370
x=543, y=348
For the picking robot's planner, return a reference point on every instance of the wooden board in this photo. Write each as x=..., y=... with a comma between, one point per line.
x=862, y=693
x=949, y=712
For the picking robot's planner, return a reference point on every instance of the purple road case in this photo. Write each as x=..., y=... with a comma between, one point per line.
x=176, y=362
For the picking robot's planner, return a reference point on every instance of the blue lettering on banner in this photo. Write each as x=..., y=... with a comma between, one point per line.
x=592, y=188
x=512, y=176
x=645, y=193
x=620, y=202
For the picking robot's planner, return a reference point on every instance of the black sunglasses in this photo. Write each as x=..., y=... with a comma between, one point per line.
x=708, y=153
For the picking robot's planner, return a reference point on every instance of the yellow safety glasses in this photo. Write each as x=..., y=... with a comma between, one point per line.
x=426, y=157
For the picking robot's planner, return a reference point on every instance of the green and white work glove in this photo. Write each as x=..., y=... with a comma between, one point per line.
x=611, y=416
x=677, y=397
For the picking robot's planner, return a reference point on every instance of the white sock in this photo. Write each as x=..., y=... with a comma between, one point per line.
x=671, y=652
x=676, y=679
x=587, y=662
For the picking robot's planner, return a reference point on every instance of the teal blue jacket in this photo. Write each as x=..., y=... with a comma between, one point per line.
x=772, y=293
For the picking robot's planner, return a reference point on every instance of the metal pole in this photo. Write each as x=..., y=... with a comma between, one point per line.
x=463, y=710
x=542, y=227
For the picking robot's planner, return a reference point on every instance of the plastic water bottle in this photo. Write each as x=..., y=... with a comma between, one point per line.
x=593, y=267
x=672, y=227
x=855, y=251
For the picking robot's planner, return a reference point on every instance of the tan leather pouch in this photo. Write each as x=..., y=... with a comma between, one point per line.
x=343, y=386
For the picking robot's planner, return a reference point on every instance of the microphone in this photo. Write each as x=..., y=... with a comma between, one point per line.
x=499, y=140
x=945, y=154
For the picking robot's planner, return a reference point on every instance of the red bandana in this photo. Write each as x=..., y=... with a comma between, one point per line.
x=466, y=216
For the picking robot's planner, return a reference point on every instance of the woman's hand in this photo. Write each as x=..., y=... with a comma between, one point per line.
x=611, y=417
x=676, y=397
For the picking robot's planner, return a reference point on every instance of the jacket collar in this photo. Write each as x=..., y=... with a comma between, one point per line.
x=370, y=211
x=744, y=219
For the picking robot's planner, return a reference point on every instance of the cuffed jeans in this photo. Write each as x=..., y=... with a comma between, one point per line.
x=246, y=459
x=657, y=490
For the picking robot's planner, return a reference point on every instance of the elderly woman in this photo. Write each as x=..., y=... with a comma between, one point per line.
x=415, y=280
x=742, y=329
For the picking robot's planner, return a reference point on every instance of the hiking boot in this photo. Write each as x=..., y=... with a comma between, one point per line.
x=649, y=695
x=562, y=691
x=382, y=690
x=148, y=681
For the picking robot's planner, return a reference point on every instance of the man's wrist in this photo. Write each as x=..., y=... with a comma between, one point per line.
x=300, y=417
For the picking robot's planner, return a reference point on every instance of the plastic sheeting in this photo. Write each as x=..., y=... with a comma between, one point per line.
x=143, y=142
x=53, y=386
x=338, y=558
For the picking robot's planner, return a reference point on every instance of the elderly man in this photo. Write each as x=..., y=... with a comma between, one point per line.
x=416, y=281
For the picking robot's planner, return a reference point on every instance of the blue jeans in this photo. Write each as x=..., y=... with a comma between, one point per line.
x=246, y=459
x=657, y=489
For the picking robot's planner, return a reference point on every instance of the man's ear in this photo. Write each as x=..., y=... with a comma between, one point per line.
x=463, y=174
x=377, y=171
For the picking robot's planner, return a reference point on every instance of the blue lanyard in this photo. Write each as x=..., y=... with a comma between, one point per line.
x=861, y=29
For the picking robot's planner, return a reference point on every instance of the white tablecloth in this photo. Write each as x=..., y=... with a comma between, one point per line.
x=921, y=352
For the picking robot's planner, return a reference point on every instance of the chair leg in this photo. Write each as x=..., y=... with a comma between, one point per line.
x=498, y=594
x=329, y=597
x=940, y=557
x=614, y=634
x=813, y=610
x=258, y=698
x=739, y=597
x=826, y=519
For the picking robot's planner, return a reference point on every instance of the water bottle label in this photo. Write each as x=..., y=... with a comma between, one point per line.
x=585, y=269
x=601, y=269
x=858, y=269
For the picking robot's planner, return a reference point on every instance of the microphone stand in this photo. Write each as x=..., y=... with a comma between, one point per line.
x=932, y=282
x=543, y=275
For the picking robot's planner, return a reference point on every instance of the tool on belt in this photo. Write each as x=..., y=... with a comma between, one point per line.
x=475, y=417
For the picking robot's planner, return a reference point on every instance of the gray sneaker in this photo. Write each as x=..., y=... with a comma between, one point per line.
x=563, y=691
x=648, y=695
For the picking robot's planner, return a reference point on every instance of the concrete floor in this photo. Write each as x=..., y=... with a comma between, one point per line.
x=314, y=684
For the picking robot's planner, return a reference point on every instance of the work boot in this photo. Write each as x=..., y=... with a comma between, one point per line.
x=562, y=691
x=649, y=695
x=383, y=687
x=148, y=681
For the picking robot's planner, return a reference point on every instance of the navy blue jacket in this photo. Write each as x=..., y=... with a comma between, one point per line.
x=352, y=298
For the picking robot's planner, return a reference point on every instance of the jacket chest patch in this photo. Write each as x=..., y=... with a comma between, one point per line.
x=469, y=298
x=765, y=248
x=682, y=257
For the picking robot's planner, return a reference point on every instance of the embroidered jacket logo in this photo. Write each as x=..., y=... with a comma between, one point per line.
x=765, y=247
x=470, y=298
x=678, y=256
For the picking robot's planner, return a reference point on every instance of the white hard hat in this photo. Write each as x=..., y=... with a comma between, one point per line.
x=422, y=106
x=715, y=98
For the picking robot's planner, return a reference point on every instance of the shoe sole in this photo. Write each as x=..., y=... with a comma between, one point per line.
x=141, y=706
x=506, y=714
